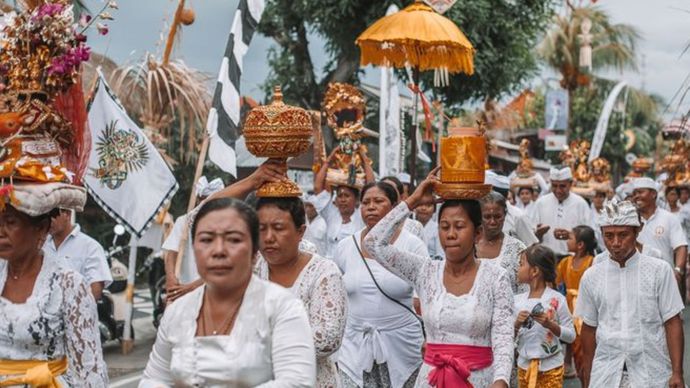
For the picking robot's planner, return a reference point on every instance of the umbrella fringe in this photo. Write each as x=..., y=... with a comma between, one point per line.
x=425, y=57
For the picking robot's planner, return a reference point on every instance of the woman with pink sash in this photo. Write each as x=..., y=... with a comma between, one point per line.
x=467, y=303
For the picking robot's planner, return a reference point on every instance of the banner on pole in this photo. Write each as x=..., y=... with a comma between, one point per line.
x=126, y=174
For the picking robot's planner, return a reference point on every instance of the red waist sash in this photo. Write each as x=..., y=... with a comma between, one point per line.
x=453, y=364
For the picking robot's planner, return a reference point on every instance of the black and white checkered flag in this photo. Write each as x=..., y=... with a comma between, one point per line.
x=224, y=118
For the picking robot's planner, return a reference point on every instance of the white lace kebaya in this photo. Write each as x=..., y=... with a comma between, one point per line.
x=482, y=317
x=320, y=286
x=58, y=320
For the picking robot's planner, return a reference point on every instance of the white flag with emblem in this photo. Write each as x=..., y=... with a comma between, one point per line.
x=126, y=175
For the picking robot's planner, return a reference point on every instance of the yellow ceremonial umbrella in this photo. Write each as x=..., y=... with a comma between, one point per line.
x=422, y=39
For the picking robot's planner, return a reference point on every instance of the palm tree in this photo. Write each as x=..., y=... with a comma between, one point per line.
x=613, y=46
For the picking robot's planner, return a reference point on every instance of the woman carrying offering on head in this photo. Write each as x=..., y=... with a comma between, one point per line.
x=467, y=303
x=235, y=330
x=48, y=320
x=383, y=336
x=315, y=280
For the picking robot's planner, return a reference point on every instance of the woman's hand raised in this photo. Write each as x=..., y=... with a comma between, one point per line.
x=426, y=187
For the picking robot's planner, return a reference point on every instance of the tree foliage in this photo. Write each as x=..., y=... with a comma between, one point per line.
x=503, y=33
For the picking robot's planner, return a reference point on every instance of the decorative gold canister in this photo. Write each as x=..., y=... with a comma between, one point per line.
x=463, y=156
x=278, y=131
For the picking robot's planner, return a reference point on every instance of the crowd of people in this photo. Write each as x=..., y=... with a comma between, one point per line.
x=379, y=286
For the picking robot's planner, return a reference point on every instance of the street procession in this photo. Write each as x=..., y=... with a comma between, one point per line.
x=344, y=194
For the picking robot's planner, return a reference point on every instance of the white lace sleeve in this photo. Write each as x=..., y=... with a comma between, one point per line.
x=502, y=328
x=405, y=265
x=328, y=313
x=83, y=340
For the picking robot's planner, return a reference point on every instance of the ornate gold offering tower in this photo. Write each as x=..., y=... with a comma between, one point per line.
x=463, y=156
x=278, y=131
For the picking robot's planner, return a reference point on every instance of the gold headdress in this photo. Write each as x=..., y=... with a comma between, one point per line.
x=675, y=164
x=524, y=173
x=43, y=134
x=344, y=107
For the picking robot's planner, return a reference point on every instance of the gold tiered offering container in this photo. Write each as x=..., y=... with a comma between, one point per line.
x=463, y=155
x=278, y=131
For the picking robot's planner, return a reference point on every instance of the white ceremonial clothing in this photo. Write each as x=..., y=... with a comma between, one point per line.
x=81, y=253
x=415, y=228
x=509, y=259
x=188, y=271
x=543, y=186
x=519, y=225
x=628, y=306
x=433, y=242
x=482, y=317
x=646, y=250
x=525, y=208
x=572, y=212
x=336, y=230
x=538, y=342
x=59, y=319
x=316, y=234
x=320, y=287
x=664, y=232
x=270, y=344
x=378, y=330
x=596, y=226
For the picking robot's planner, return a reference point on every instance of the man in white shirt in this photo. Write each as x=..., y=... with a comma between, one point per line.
x=558, y=212
x=66, y=242
x=316, y=226
x=662, y=230
x=632, y=332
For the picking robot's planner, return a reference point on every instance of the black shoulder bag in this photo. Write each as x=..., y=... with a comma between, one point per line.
x=421, y=322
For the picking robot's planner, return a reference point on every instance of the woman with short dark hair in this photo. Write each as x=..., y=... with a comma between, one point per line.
x=236, y=330
x=496, y=245
x=315, y=280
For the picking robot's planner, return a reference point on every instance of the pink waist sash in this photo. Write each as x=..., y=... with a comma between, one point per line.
x=453, y=364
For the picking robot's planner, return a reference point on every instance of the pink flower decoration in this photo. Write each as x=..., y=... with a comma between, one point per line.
x=553, y=303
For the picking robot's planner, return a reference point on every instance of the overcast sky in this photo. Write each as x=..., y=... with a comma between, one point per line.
x=141, y=24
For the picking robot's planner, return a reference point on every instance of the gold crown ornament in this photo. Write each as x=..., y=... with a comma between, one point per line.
x=43, y=136
x=344, y=108
x=463, y=156
x=279, y=131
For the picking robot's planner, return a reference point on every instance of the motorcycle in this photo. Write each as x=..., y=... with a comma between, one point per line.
x=112, y=306
x=155, y=269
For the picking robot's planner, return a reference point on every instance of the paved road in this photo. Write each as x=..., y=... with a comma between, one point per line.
x=125, y=371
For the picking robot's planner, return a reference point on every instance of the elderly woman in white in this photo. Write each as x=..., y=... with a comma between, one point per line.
x=236, y=330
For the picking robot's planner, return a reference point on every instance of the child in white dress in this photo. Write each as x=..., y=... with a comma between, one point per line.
x=543, y=321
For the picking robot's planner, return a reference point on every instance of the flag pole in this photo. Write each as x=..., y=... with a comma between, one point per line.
x=181, y=249
x=127, y=336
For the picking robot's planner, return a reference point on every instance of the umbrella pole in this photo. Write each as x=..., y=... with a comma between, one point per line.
x=413, y=135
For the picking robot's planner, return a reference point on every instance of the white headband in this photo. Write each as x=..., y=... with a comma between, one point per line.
x=564, y=174
x=617, y=213
x=204, y=188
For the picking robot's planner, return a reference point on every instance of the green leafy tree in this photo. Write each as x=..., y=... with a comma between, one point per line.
x=503, y=34
x=613, y=47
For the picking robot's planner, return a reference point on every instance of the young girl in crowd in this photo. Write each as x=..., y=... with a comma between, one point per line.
x=581, y=243
x=542, y=322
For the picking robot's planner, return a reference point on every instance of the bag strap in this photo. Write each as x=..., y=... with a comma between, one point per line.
x=421, y=322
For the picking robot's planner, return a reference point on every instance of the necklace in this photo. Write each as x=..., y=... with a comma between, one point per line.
x=207, y=321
